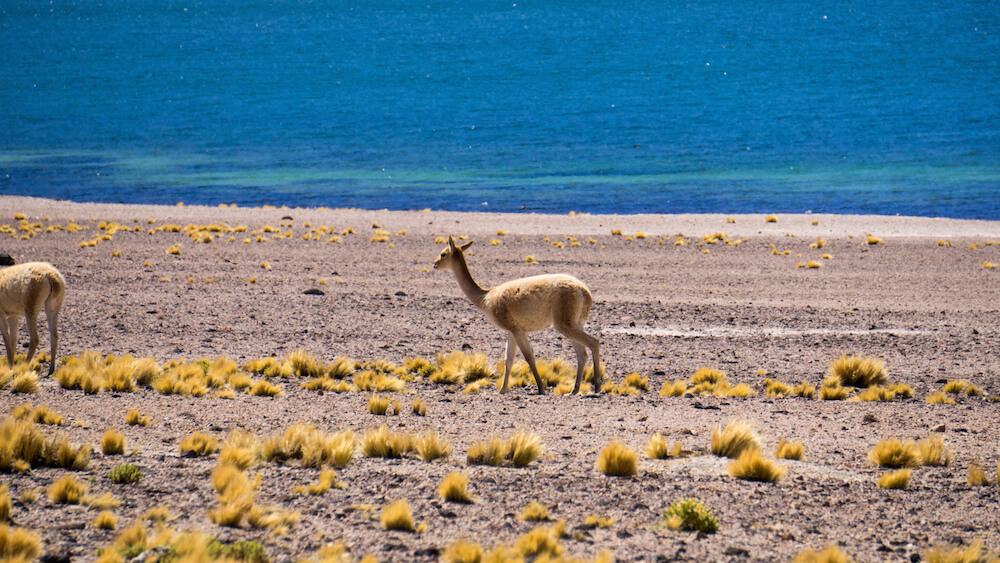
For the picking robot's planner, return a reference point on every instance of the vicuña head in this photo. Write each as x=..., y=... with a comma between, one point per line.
x=529, y=304
x=24, y=290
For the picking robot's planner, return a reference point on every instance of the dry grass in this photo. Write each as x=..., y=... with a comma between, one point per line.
x=398, y=516
x=113, y=442
x=327, y=479
x=834, y=393
x=751, y=466
x=977, y=476
x=5, y=504
x=955, y=387
x=105, y=521
x=490, y=452
x=972, y=553
x=453, y=488
x=875, y=393
x=378, y=404
x=931, y=451
x=198, y=444
x=431, y=446
x=738, y=436
x=534, y=511
x=18, y=544
x=383, y=443
x=939, y=398
x=135, y=418
x=462, y=551
x=658, y=448
x=690, y=514
x=894, y=454
x=830, y=554
x=25, y=383
x=39, y=415
x=23, y=446
x=858, y=371
x=788, y=450
x=240, y=449
x=895, y=479
x=523, y=447
x=618, y=460
x=674, y=389
x=67, y=490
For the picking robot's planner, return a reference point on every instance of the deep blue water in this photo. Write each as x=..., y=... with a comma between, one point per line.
x=881, y=106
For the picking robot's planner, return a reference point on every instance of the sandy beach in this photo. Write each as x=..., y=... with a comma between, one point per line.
x=760, y=300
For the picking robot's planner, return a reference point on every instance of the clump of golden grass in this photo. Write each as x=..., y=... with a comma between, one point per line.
x=419, y=407
x=902, y=390
x=383, y=443
x=313, y=447
x=658, y=448
x=618, y=460
x=955, y=387
x=595, y=521
x=304, y=364
x=398, y=516
x=788, y=450
x=23, y=446
x=831, y=554
x=751, y=466
x=113, y=442
x=874, y=393
x=895, y=479
x=737, y=436
x=264, y=388
x=40, y=414
x=490, y=452
x=775, y=388
x=198, y=444
x=858, y=371
x=26, y=382
x=958, y=554
x=833, y=393
x=235, y=496
x=894, y=454
x=240, y=449
x=378, y=404
x=67, y=490
x=873, y=240
x=931, y=451
x=459, y=367
x=690, y=514
x=431, y=446
x=541, y=542
x=453, y=488
x=939, y=398
x=463, y=551
x=107, y=501
x=326, y=480
x=523, y=448
x=5, y=503
x=805, y=390
x=534, y=511
x=135, y=418
x=977, y=476
x=18, y=544
x=673, y=389
x=106, y=521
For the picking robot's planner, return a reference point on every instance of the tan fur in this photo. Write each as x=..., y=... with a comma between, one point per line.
x=25, y=289
x=529, y=304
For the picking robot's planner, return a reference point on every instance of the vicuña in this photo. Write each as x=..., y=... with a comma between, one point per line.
x=24, y=290
x=529, y=304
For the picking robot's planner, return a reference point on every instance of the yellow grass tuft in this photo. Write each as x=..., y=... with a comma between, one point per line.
x=931, y=451
x=534, y=511
x=106, y=521
x=955, y=387
x=894, y=454
x=658, y=448
x=198, y=444
x=771, y=219
x=673, y=389
x=751, y=466
x=326, y=480
x=431, y=446
x=18, y=544
x=26, y=382
x=690, y=514
x=383, y=443
x=419, y=407
x=835, y=393
x=958, y=554
x=618, y=460
x=707, y=375
x=523, y=448
x=805, y=390
x=5, y=504
x=67, y=490
x=112, y=442
x=462, y=551
x=858, y=371
x=939, y=398
x=737, y=436
x=902, y=390
x=831, y=554
x=135, y=418
x=875, y=393
x=491, y=452
x=264, y=388
x=541, y=542
x=398, y=516
x=378, y=404
x=453, y=488
x=788, y=450
x=895, y=479
x=240, y=449
x=107, y=501
x=977, y=476
x=873, y=240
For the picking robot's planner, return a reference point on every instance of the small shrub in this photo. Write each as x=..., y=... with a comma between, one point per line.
x=858, y=371
x=112, y=442
x=617, y=460
x=534, y=512
x=690, y=514
x=398, y=516
x=453, y=488
x=126, y=473
x=788, y=450
x=730, y=442
x=67, y=490
x=895, y=479
x=658, y=448
x=431, y=446
x=894, y=454
x=751, y=466
x=198, y=444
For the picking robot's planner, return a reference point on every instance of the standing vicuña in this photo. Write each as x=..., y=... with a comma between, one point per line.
x=24, y=290
x=529, y=304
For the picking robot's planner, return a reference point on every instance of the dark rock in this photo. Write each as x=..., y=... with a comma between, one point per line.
x=56, y=557
x=6, y=260
x=313, y=291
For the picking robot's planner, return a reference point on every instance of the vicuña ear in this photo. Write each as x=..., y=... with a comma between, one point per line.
x=451, y=242
x=464, y=246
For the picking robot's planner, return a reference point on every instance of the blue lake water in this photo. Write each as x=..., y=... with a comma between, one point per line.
x=882, y=106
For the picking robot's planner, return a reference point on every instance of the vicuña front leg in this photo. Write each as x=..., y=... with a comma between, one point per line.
x=8, y=343
x=522, y=343
x=509, y=362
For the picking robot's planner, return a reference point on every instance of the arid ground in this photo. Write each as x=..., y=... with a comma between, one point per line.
x=929, y=309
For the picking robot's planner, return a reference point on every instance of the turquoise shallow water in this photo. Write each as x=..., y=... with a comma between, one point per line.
x=886, y=107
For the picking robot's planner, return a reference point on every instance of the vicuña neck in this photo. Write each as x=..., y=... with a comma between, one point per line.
x=472, y=290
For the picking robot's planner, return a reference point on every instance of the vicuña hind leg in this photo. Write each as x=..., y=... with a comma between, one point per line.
x=581, y=340
x=8, y=342
x=11, y=338
x=32, y=320
x=522, y=343
x=53, y=319
x=581, y=361
x=509, y=362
